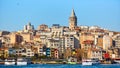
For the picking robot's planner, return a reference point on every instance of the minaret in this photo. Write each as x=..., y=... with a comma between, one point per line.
x=72, y=20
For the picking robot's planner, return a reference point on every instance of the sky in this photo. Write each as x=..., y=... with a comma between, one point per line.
x=14, y=14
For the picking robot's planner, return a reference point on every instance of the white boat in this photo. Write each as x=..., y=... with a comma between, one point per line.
x=90, y=62
x=21, y=61
x=9, y=62
x=86, y=62
x=117, y=60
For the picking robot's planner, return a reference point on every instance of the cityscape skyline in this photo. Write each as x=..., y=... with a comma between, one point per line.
x=101, y=13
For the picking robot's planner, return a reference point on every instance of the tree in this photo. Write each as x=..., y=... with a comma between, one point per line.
x=67, y=53
x=79, y=54
x=2, y=57
x=12, y=55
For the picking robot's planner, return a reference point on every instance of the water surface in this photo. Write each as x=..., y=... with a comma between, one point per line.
x=61, y=66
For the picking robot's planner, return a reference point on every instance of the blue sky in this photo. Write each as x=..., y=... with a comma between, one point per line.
x=14, y=14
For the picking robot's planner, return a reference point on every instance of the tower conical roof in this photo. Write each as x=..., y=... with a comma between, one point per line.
x=29, y=23
x=73, y=13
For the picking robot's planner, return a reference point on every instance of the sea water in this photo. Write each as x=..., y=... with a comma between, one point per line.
x=61, y=66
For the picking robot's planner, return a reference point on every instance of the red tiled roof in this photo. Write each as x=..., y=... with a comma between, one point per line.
x=88, y=42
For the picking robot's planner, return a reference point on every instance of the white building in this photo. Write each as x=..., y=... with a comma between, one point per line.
x=117, y=41
x=71, y=39
x=95, y=53
x=57, y=31
x=29, y=52
x=28, y=27
x=69, y=42
x=107, y=42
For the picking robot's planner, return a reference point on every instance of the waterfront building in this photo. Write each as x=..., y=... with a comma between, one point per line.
x=114, y=52
x=54, y=53
x=48, y=52
x=11, y=51
x=4, y=53
x=20, y=52
x=29, y=52
x=95, y=53
x=40, y=50
x=24, y=52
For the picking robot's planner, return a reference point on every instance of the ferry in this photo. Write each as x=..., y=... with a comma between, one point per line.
x=21, y=61
x=90, y=62
x=9, y=62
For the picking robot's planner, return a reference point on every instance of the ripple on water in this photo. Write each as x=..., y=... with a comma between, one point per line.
x=62, y=66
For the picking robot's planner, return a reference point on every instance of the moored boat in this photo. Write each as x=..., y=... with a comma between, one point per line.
x=86, y=62
x=72, y=60
x=90, y=62
x=9, y=62
x=117, y=60
x=21, y=61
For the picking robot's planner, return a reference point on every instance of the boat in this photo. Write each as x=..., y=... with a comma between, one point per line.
x=1, y=61
x=117, y=60
x=95, y=61
x=90, y=62
x=9, y=62
x=72, y=60
x=86, y=62
x=21, y=61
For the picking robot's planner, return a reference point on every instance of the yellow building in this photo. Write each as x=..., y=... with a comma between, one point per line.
x=4, y=52
x=15, y=38
x=36, y=38
x=104, y=42
x=84, y=37
x=100, y=41
x=26, y=37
